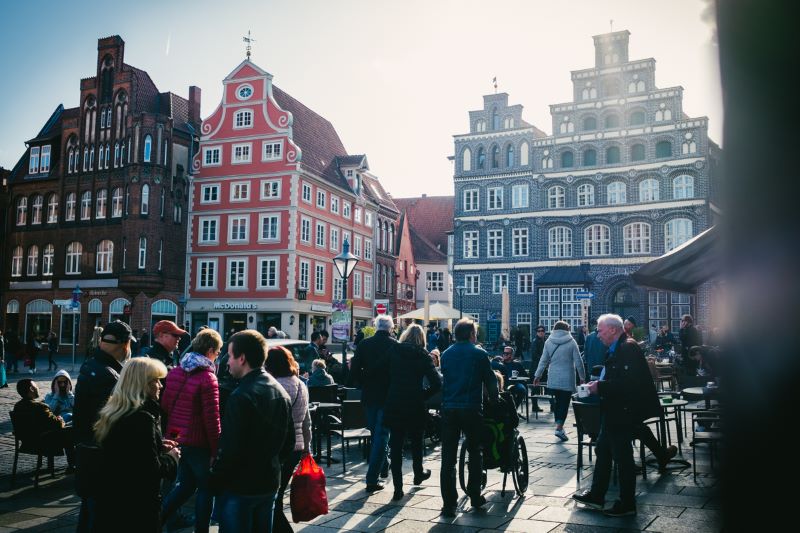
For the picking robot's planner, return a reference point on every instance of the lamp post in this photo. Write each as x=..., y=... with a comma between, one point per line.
x=460, y=290
x=345, y=263
x=76, y=302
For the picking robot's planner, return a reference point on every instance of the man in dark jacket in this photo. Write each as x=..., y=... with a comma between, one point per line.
x=628, y=398
x=370, y=372
x=37, y=426
x=257, y=436
x=465, y=374
x=96, y=380
x=689, y=337
x=166, y=336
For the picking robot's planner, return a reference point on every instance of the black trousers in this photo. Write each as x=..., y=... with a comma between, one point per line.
x=397, y=438
x=645, y=434
x=614, y=443
x=454, y=421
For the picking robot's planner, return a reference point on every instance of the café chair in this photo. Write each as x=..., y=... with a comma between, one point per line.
x=324, y=394
x=39, y=451
x=352, y=426
x=710, y=433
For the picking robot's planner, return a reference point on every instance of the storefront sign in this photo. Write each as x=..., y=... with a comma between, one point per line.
x=235, y=306
x=340, y=328
x=323, y=308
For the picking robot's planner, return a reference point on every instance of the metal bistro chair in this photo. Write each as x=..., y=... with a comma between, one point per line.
x=711, y=425
x=39, y=452
x=352, y=426
x=587, y=421
x=323, y=394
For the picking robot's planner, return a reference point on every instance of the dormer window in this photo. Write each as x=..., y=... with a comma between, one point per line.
x=44, y=160
x=33, y=164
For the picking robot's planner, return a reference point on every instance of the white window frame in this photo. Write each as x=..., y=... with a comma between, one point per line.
x=44, y=159
x=116, y=203
x=307, y=193
x=321, y=198
x=368, y=286
x=471, y=243
x=367, y=249
x=319, y=234
x=597, y=240
x=494, y=197
x=368, y=218
x=37, y=207
x=145, y=200
x=86, y=205
x=240, y=283
x=636, y=238
x=471, y=199
x=434, y=281
x=559, y=242
x=272, y=151
x=211, y=276
x=334, y=205
x=356, y=285
x=334, y=239
x=683, y=187
x=48, y=259
x=245, y=155
x=142, y=255
x=556, y=197
x=319, y=278
x=243, y=119
x=357, y=246
x=212, y=156
x=676, y=232
x=585, y=195
x=520, y=196
x=304, y=273
x=494, y=243
x=473, y=284
x=104, y=263
x=520, y=240
x=32, y=267
x=239, y=191
x=70, y=204
x=275, y=268
x=270, y=190
x=101, y=204
x=33, y=160
x=262, y=218
x=209, y=193
x=649, y=190
x=357, y=215
x=305, y=224
x=213, y=224
x=525, y=283
x=236, y=220
x=498, y=282
x=616, y=193
x=22, y=211
x=346, y=210
x=16, y=261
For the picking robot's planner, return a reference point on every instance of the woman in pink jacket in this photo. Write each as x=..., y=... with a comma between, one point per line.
x=191, y=402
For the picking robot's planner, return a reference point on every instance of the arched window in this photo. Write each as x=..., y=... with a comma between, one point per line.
x=466, y=160
x=101, y=204
x=509, y=156
x=683, y=187
x=71, y=167
x=105, y=257
x=612, y=121
x=636, y=86
x=524, y=149
x=116, y=309
x=649, y=190
x=101, y=158
x=116, y=202
x=33, y=260
x=676, y=232
x=688, y=146
x=74, y=252
x=12, y=307
x=145, y=205
x=637, y=152
x=508, y=123
x=566, y=126
x=95, y=306
x=16, y=262
x=585, y=195
x=559, y=241
x=108, y=151
x=116, y=154
x=616, y=193
x=589, y=124
x=243, y=119
x=664, y=149
x=555, y=197
x=22, y=211
x=663, y=114
x=47, y=260
x=91, y=158
x=85, y=159
x=589, y=157
x=495, y=120
x=86, y=205
x=164, y=309
x=636, y=238
x=495, y=157
x=481, y=158
x=636, y=118
x=36, y=209
x=597, y=240
x=142, y=252
x=612, y=155
x=52, y=209
x=480, y=126
x=148, y=148
x=567, y=159
x=588, y=92
x=69, y=207
x=122, y=154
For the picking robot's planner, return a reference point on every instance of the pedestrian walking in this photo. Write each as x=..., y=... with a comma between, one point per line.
x=34, y=345
x=52, y=350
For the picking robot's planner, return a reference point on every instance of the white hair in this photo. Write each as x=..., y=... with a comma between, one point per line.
x=384, y=323
x=611, y=320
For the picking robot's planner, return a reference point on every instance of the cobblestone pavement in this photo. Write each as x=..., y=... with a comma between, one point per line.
x=671, y=502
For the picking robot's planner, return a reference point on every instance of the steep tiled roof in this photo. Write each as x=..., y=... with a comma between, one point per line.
x=350, y=160
x=316, y=137
x=176, y=107
x=146, y=96
x=374, y=190
x=430, y=219
x=51, y=129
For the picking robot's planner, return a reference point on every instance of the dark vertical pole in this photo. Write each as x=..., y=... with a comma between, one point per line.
x=344, y=343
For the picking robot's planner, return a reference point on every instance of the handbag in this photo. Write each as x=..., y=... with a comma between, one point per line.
x=309, y=498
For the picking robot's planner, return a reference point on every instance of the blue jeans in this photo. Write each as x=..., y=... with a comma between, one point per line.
x=243, y=513
x=380, y=442
x=192, y=476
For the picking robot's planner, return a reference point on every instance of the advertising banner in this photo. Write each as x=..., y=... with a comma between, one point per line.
x=340, y=327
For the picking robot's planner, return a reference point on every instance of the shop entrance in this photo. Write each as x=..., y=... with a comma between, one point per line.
x=264, y=321
x=38, y=319
x=234, y=322
x=303, y=328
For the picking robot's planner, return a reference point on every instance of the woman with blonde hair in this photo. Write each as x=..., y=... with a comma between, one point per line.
x=405, y=413
x=134, y=454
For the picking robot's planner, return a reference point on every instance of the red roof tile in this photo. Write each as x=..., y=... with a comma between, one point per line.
x=430, y=219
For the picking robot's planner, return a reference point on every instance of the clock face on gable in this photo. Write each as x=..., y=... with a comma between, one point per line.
x=244, y=92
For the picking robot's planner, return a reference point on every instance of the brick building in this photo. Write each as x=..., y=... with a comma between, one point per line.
x=97, y=202
x=625, y=176
x=273, y=200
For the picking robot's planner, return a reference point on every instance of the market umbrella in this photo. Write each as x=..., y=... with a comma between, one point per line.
x=426, y=309
x=437, y=311
x=505, y=320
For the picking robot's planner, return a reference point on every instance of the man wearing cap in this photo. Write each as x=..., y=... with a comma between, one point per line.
x=96, y=380
x=166, y=336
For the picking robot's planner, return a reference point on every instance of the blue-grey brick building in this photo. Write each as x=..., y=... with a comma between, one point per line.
x=625, y=177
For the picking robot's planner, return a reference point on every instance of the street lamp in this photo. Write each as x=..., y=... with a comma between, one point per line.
x=76, y=302
x=460, y=290
x=345, y=264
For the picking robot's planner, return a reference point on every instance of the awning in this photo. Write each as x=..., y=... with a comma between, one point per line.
x=686, y=267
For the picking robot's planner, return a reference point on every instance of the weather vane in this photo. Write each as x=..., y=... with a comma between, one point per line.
x=611, y=22
x=249, y=40
x=494, y=81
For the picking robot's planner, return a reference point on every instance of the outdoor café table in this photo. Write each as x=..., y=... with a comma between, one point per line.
x=524, y=381
x=677, y=407
x=696, y=393
x=318, y=410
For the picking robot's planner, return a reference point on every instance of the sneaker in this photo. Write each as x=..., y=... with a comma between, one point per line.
x=619, y=509
x=671, y=452
x=449, y=511
x=561, y=435
x=589, y=500
x=375, y=487
x=477, y=502
x=419, y=479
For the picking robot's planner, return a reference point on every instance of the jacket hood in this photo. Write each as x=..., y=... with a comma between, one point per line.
x=559, y=336
x=60, y=373
x=194, y=360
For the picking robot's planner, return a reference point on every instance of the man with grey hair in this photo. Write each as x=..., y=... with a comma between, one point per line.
x=628, y=398
x=370, y=372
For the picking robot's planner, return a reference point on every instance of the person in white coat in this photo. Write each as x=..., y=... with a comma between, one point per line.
x=561, y=358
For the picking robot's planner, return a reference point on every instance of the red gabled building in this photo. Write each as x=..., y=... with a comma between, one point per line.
x=273, y=199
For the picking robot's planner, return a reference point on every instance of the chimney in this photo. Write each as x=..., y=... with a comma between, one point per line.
x=424, y=195
x=194, y=105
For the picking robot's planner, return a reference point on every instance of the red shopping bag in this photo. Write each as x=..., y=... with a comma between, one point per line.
x=308, y=498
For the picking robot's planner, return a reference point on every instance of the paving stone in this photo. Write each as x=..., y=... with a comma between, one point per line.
x=527, y=526
x=474, y=518
x=361, y=522
x=678, y=525
x=592, y=518
x=415, y=526
x=673, y=500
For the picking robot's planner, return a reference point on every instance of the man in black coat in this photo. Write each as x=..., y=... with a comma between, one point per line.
x=166, y=337
x=628, y=397
x=689, y=337
x=370, y=372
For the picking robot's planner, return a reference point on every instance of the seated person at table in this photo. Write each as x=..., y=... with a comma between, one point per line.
x=319, y=375
x=508, y=368
x=664, y=340
x=707, y=359
x=37, y=426
x=334, y=367
x=61, y=399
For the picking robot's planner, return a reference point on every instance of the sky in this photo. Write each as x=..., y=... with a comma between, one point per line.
x=395, y=78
